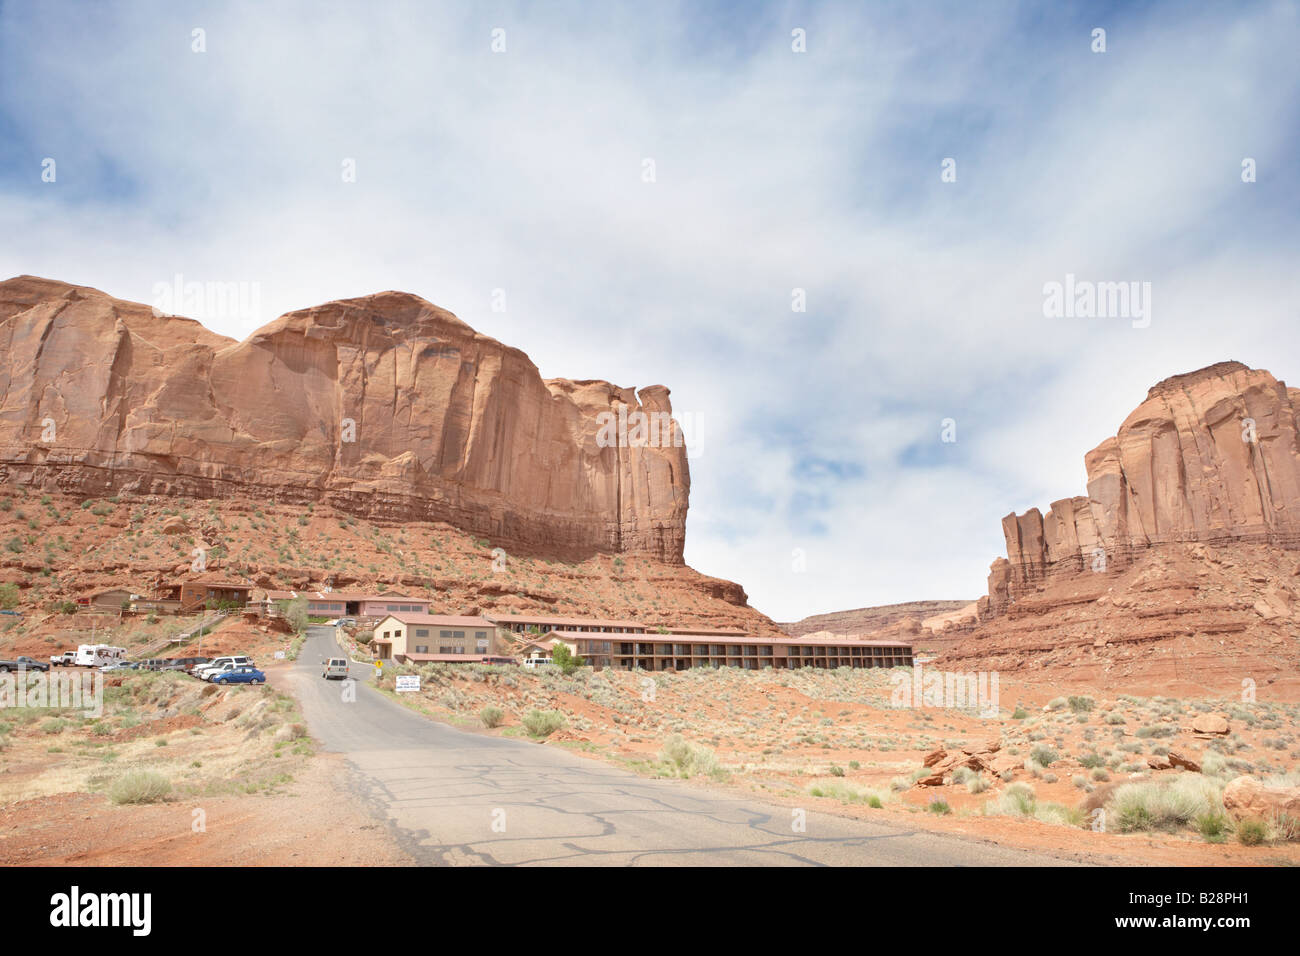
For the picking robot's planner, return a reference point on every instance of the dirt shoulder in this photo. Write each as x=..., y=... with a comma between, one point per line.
x=175, y=772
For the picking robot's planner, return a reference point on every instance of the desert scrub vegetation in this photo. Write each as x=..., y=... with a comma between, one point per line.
x=1020, y=800
x=139, y=786
x=1167, y=806
x=542, y=723
x=491, y=715
x=688, y=760
x=847, y=792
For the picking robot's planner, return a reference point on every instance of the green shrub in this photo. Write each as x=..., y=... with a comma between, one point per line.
x=543, y=723
x=1252, y=832
x=687, y=760
x=491, y=716
x=140, y=786
x=939, y=806
x=1164, y=806
x=1044, y=755
x=1212, y=826
x=8, y=595
x=564, y=660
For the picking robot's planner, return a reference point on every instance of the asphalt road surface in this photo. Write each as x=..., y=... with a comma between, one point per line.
x=450, y=797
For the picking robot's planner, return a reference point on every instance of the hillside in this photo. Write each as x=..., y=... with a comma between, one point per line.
x=57, y=546
x=868, y=620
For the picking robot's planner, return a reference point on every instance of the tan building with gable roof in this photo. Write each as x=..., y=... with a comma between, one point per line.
x=407, y=636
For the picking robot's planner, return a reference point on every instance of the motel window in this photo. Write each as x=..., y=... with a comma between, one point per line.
x=421, y=632
x=458, y=634
x=444, y=634
x=422, y=649
x=480, y=635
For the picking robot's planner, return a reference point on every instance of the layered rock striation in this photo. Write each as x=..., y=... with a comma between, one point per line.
x=1210, y=456
x=385, y=405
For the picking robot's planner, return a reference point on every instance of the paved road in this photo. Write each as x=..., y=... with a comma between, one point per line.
x=451, y=797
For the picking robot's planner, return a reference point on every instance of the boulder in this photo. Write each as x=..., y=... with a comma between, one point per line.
x=1210, y=724
x=175, y=525
x=1178, y=760
x=934, y=757
x=1246, y=797
x=1157, y=762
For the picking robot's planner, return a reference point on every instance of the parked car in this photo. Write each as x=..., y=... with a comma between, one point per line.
x=66, y=659
x=184, y=663
x=23, y=664
x=498, y=660
x=347, y=622
x=335, y=667
x=240, y=675
x=535, y=662
x=204, y=671
x=119, y=666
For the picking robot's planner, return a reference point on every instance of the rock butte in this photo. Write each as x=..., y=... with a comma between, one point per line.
x=1211, y=456
x=450, y=425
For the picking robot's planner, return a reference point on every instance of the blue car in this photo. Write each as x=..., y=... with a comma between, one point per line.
x=240, y=675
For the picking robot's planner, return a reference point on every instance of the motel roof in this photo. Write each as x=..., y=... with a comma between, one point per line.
x=450, y=658
x=715, y=639
x=507, y=619
x=441, y=620
x=344, y=596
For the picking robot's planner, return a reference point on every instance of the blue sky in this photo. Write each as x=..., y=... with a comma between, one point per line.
x=775, y=170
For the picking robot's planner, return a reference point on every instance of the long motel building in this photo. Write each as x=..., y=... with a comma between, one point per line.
x=679, y=652
x=416, y=637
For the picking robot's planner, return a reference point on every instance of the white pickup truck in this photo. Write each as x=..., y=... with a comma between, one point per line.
x=66, y=659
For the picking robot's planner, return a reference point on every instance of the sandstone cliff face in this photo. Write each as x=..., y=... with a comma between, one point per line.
x=1210, y=456
x=384, y=405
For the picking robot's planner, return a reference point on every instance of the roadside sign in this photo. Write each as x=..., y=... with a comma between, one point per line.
x=407, y=683
x=279, y=655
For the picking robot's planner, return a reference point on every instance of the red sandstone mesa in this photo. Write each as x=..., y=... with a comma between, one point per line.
x=1211, y=456
x=450, y=425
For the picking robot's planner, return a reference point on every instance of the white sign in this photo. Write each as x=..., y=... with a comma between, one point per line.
x=407, y=683
x=279, y=655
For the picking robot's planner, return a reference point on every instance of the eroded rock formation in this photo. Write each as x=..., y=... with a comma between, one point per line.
x=384, y=405
x=1210, y=456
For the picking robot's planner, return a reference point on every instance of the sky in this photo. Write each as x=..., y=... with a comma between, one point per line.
x=635, y=192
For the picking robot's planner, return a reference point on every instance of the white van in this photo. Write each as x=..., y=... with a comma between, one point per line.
x=335, y=667
x=97, y=655
x=536, y=662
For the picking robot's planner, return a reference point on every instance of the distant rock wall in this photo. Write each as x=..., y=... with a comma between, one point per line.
x=384, y=405
x=1210, y=456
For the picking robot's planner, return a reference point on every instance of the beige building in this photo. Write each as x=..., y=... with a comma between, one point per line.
x=677, y=652
x=417, y=638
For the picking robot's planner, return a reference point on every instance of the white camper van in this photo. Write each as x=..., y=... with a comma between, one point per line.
x=97, y=655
